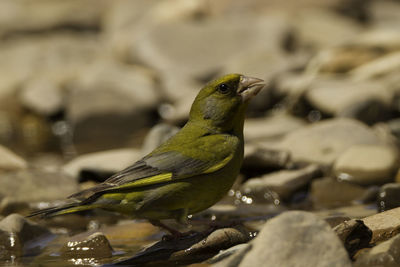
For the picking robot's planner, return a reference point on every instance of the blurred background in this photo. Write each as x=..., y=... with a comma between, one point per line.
x=89, y=86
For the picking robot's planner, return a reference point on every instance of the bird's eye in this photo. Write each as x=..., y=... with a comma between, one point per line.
x=223, y=88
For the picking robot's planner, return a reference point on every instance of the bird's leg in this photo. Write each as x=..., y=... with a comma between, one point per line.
x=173, y=232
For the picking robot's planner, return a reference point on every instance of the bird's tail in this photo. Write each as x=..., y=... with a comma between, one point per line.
x=60, y=210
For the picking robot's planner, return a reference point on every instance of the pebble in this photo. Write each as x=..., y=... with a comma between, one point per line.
x=325, y=192
x=385, y=254
x=284, y=182
x=296, y=238
x=323, y=142
x=105, y=162
x=383, y=225
x=367, y=164
x=389, y=197
x=10, y=160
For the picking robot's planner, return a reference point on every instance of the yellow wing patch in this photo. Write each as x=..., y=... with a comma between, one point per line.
x=160, y=178
x=220, y=165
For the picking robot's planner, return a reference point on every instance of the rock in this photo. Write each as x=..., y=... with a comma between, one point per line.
x=24, y=17
x=325, y=192
x=258, y=157
x=383, y=225
x=394, y=127
x=264, y=63
x=102, y=163
x=178, y=112
x=357, y=211
x=384, y=14
x=24, y=229
x=324, y=141
x=192, y=249
x=10, y=246
x=366, y=101
x=112, y=98
x=367, y=164
x=385, y=254
x=343, y=59
x=389, y=197
x=95, y=246
x=300, y=239
x=158, y=135
x=270, y=128
x=284, y=183
x=384, y=39
x=9, y=205
x=43, y=95
x=35, y=185
x=228, y=252
x=354, y=235
x=378, y=67
x=10, y=161
x=58, y=56
x=169, y=47
x=312, y=25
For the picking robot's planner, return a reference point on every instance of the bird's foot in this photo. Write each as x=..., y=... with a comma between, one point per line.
x=174, y=234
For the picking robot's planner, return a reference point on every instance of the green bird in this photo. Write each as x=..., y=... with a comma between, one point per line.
x=188, y=173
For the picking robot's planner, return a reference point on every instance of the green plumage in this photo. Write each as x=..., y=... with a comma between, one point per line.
x=189, y=172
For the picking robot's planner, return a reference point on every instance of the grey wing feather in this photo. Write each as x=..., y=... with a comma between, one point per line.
x=146, y=167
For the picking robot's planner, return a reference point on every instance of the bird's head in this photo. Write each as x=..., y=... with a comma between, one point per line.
x=221, y=104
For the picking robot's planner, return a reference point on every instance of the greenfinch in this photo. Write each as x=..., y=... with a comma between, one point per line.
x=188, y=173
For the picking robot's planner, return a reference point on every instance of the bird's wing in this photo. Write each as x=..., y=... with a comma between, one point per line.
x=205, y=155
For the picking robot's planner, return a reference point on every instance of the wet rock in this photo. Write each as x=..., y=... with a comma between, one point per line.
x=35, y=185
x=10, y=161
x=270, y=128
x=192, y=249
x=349, y=212
x=125, y=232
x=385, y=254
x=24, y=229
x=95, y=246
x=325, y=192
x=101, y=164
x=10, y=246
x=224, y=254
x=284, y=183
x=324, y=141
x=344, y=98
x=300, y=239
x=367, y=164
x=354, y=235
x=158, y=135
x=383, y=225
x=107, y=98
x=389, y=197
x=335, y=220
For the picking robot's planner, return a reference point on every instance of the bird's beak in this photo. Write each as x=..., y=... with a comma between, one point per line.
x=249, y=87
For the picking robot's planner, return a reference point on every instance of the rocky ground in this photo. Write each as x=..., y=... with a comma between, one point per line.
x=89, y=86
